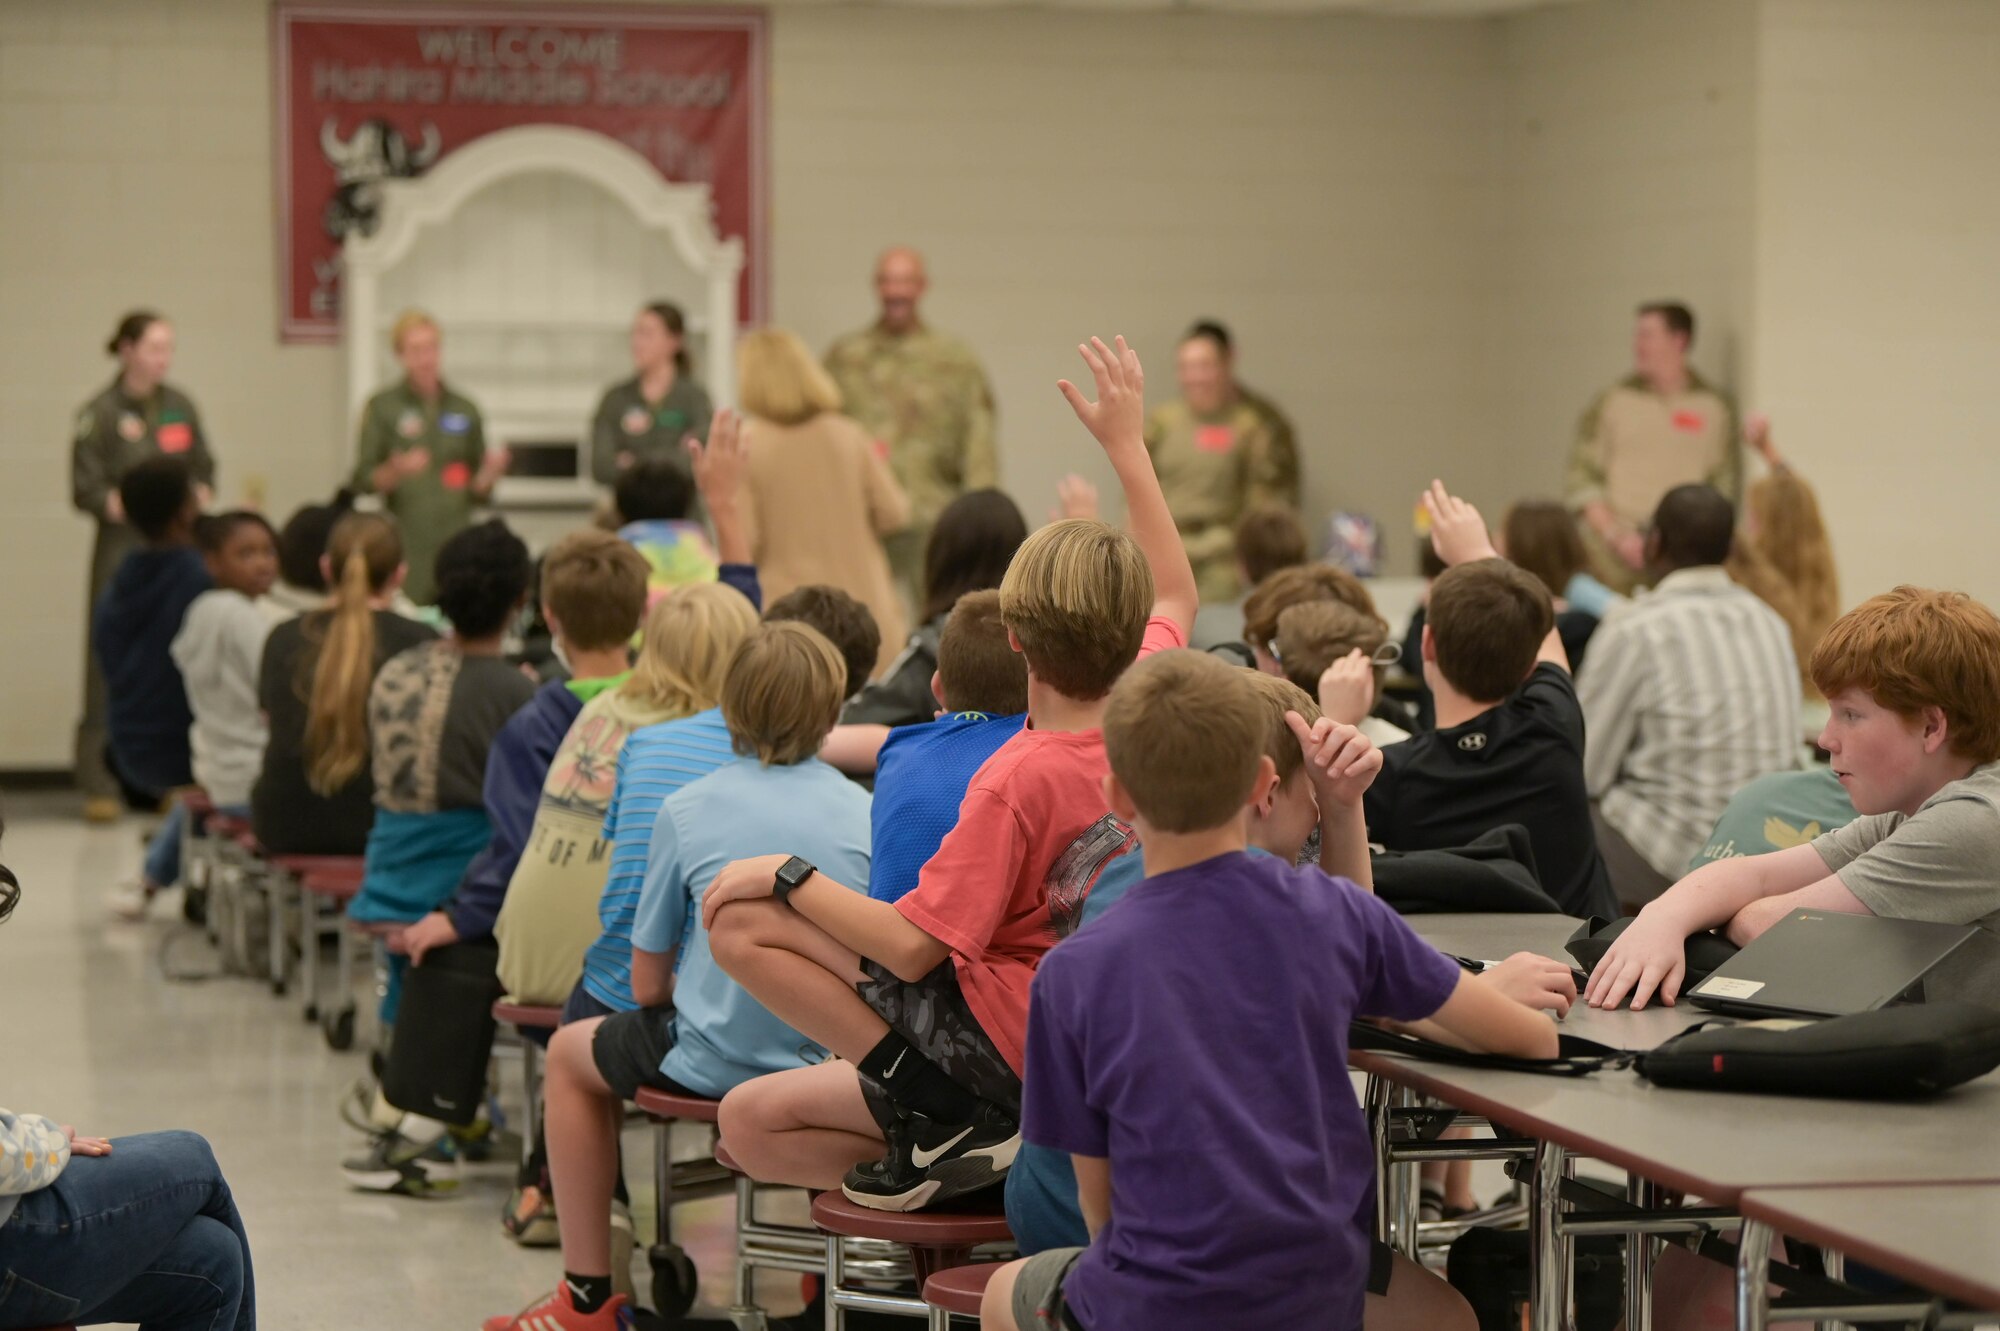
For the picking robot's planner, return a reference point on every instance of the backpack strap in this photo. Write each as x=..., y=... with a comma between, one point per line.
x=1577, y=1057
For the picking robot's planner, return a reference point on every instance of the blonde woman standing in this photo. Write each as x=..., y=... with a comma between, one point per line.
x=821, y=495
x=423, y=449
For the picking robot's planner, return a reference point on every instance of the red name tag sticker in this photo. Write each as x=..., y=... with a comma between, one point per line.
x=1215, y=438
x=456, y=475
x=1690, y=421
x=175, y=436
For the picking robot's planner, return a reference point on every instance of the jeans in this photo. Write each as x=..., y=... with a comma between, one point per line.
x=163, y=853
x=148, y=1234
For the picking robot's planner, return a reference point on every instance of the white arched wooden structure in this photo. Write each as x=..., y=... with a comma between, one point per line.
x=533, y=248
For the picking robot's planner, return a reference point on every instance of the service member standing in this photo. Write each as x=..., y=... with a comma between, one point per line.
x=925, y=396
x=1284, y=443
x=650, y=416
x=423, y=449
x=1217, y=459
x=137, y=417
x=1661, y=427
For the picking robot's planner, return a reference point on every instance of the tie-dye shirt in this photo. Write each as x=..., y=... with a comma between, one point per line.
x=34, y=1151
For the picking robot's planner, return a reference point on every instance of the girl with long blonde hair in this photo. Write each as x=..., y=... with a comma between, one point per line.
x=315, y=793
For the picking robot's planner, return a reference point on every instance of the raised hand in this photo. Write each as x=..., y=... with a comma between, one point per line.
x=1118, y=418
x=1347, y=688
x=1340, y=760
x=1458, y=533
x=719, y=464
x=1075, y=498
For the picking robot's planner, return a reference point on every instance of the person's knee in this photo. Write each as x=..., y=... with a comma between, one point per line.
x=996, y=1305
x=188, y=1153
x=740, y=931
x=1417, y=1300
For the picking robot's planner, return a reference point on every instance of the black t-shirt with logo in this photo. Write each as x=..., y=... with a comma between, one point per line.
x=1518, y=762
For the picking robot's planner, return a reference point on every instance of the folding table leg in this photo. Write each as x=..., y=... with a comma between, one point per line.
x=1639, y=1258
x=1548, y=1284
x=1753, y=1276
x=309, y=951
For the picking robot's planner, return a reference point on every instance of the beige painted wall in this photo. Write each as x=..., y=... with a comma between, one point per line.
x=1877, y=278
x=1629, y=175
x=1427, y=234
x=1311, y=180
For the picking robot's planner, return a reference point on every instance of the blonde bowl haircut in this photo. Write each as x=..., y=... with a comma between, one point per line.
x=1184, y=733
x=778, y=379
x=595, y=584
x=783, y=693
x=1077, y=595
x=1314, y=635
x=409, y=321
x=1278, y=696
x=690, y=639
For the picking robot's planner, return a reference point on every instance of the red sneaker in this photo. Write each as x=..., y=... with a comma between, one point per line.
x=558, y=1313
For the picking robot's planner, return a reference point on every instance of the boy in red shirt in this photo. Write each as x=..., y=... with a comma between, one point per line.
x=925, y=1002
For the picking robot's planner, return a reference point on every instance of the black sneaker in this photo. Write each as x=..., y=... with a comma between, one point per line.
x=931, y=1162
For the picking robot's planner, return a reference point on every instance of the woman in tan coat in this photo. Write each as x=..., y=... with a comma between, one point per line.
x=821, y=494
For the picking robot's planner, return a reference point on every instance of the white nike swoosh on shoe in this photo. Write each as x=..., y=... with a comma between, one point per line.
x=923, y=1159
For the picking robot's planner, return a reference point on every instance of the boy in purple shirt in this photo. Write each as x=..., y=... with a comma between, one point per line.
x=1239, y=1153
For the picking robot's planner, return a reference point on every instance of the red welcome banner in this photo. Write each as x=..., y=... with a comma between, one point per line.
x=368, y=94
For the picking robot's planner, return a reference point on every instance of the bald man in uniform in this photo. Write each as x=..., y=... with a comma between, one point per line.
x=1661, y=427
x=924, y=395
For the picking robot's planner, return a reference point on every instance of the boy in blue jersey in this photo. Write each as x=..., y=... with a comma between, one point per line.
x=923, y=771
x=698, y=1032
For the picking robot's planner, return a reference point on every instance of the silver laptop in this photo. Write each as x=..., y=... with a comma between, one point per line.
x=1819, y=963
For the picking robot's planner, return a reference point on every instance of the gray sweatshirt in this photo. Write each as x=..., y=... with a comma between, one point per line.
x=219, y=649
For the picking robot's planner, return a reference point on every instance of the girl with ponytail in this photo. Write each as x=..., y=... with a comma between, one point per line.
x=315, y=795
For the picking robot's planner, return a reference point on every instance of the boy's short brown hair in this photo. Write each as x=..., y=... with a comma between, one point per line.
x=1296, y=586
x=1277, y=697
x=845, y=622
x=595, y=586
x=1077, y=595
x=782, y=694
x=1487, y=620
x=1914, y=648
x=1268, y=539
x=1313, y=636
x=978, y=670
x=1184, y=732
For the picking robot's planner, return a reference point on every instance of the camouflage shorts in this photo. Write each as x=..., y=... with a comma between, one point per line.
x=932, y=1015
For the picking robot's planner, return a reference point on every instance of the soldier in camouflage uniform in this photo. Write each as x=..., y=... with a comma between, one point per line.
x=423, y=449
x=1218, y=457
x=1661, y=427
x=924, y=395
x=650, y=416
x=137, y=417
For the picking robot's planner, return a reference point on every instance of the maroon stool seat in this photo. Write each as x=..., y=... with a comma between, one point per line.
x=664, y=1104
x=960, y=1289
x=528, y=1017
x=937, y=1240
x=239, y=832
x=197, y=803
x=328, y=868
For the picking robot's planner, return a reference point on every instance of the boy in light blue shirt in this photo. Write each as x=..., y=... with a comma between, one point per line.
x=697, y=1032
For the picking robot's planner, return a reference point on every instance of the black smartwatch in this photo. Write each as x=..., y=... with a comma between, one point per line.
x=790, y=874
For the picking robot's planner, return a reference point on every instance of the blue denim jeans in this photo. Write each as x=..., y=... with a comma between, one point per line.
x=163, y=853
x=148, y=1234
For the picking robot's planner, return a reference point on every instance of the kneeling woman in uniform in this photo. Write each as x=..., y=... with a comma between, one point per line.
x=423, y=449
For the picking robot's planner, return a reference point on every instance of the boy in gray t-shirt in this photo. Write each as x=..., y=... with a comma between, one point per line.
x=1912, y=678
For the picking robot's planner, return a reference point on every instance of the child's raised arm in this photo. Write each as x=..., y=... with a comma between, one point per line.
x=1118, y=420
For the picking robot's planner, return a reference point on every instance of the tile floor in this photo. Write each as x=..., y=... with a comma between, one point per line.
x=91, y=1033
